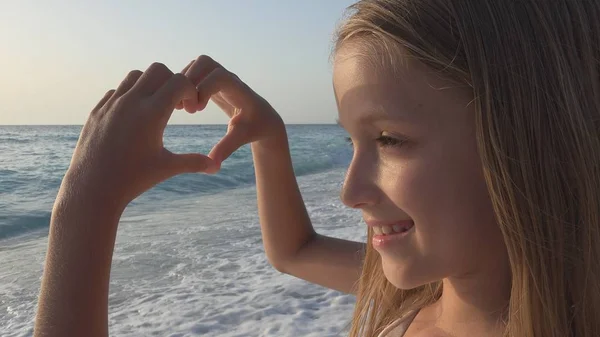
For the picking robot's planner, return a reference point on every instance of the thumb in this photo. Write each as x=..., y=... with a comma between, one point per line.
x=192, y=163
x=235, y=138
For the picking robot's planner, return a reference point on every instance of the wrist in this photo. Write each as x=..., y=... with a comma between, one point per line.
x=90, y=195
x=275, y=138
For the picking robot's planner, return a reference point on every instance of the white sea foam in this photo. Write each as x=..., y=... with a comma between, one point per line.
x=196, y=267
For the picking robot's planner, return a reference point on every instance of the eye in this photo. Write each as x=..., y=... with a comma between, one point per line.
x=389, y=141
x=383, y=140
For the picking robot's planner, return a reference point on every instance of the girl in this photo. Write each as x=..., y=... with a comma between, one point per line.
x=476, y=167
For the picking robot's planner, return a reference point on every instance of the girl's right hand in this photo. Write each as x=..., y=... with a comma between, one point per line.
x=252, y=118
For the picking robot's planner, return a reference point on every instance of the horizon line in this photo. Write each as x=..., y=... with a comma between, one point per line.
x=184, y=124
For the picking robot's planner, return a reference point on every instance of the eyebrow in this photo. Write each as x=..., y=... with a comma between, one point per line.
x=375, y=114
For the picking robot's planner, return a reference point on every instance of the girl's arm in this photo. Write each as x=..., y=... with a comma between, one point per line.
x=291, y=244
x=118, y=156
x=74, y=294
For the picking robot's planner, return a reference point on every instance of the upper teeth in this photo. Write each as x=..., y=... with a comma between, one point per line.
x=388, y=229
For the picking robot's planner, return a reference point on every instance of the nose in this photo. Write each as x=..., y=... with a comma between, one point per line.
x=360, y=188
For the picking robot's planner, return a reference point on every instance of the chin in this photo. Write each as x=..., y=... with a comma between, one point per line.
x=402, y=276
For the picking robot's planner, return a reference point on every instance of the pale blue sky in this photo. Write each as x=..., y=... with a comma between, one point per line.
x=59, y=57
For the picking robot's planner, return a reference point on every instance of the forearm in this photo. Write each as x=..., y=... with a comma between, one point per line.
x=285, y=224
x=74, y=293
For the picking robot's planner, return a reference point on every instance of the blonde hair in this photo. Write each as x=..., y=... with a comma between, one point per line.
x=533, y=67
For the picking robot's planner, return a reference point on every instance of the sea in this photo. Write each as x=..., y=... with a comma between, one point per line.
x=189, y=258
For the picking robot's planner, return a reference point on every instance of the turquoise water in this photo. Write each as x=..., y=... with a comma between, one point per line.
x=189, y=259
x=33, y=160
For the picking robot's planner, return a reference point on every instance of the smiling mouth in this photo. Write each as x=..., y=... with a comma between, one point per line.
x=393, y=229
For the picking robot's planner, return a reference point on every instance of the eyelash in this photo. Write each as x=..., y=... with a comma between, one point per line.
x=384, y=141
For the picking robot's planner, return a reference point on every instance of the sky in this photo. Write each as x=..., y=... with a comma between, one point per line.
x=59, y=57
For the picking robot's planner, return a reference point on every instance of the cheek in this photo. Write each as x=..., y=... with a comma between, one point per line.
x=417, y=186
x=448, y=200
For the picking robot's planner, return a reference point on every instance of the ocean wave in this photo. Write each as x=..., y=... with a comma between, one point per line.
x=6, y=173
x=15, y=225
x=32, y=174
x=15, y=140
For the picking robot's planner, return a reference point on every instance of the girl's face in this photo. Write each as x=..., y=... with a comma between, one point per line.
x=415, y=158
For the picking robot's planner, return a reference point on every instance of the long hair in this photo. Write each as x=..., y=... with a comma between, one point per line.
x=533, y=67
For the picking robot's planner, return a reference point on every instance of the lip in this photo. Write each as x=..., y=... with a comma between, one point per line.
x=383, y=242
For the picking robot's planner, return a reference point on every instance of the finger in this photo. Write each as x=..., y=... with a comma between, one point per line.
x=153, y=79
x=104, y=99
x=221, y=103
x=221, y=80
x=128, y=82
x=185, y=69
x=233, y=140
x=179, y=105
x=191, y=163
x=176, y=89
x=203, y=66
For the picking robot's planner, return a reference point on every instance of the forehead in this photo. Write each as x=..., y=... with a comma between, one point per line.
x=363, y=89
x=409, y=91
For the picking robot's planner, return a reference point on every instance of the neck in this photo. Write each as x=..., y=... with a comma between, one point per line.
x=479, y=298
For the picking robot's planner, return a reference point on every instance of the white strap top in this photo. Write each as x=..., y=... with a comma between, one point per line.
x=398, y=327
